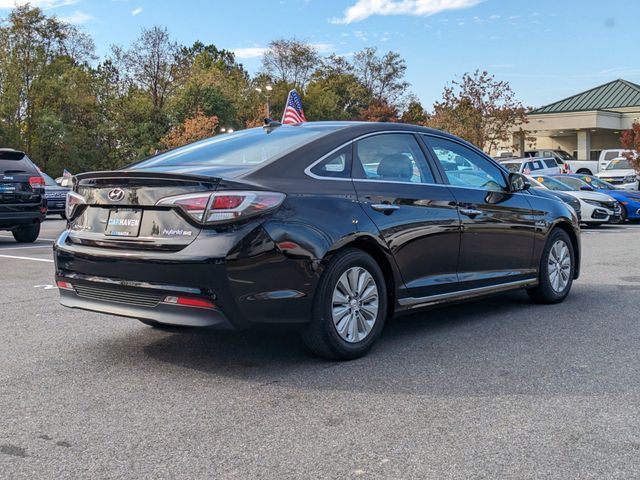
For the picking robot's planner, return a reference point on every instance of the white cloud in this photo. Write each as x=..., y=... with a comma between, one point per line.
x=249, y=52
x=136, y=11
x=363, y=9
x=44, y=4
x=77, y=18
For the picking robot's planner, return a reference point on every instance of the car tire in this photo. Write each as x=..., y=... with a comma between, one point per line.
x=27, y=233
x=556, y=274
x=623, y=214
x=346, y=322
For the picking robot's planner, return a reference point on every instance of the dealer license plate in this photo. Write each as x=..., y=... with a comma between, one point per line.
x=124, y=222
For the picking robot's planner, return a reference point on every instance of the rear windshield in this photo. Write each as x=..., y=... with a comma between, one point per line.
x=15, y=162
x=243, y=148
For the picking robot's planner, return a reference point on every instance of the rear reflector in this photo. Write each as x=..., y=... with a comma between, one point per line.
x=190, y=302
x=64, y=285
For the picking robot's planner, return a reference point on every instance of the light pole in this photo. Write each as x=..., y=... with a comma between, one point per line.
x=267, y=92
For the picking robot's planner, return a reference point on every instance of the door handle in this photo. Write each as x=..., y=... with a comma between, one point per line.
x=384, y=207
x=470, y=212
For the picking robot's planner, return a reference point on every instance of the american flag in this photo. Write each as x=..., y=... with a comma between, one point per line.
x=293, y=112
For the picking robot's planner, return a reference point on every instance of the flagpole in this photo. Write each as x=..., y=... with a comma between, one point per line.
x=285, y=106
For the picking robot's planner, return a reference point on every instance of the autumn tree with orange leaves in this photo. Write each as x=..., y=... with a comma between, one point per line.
x=195, y=128
x=630, y=139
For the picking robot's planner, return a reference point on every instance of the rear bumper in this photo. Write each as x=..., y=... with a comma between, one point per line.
x=247, y=278
x=103, y=296
x=10, y=218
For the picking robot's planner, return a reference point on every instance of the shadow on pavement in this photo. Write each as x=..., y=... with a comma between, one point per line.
x=502, y=345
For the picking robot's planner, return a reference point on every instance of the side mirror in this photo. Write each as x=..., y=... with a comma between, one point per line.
x=587, y=188
x=518, y=182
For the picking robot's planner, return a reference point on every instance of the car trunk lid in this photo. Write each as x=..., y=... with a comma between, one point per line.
x=121, y=210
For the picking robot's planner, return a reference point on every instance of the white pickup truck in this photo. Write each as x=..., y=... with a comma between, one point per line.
x=568, y=162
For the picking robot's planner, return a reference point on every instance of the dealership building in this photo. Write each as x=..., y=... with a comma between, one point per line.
x=586, y=123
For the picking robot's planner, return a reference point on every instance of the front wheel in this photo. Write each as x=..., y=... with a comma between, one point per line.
x=350, y=307
x=557, y=267
x=27, y=233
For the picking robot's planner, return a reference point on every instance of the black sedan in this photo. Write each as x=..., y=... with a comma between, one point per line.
x=334, y=227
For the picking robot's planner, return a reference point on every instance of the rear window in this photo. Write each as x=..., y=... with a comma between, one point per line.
x=11, y=155
x=244, y=148
x=512, y=167
x=15, y=162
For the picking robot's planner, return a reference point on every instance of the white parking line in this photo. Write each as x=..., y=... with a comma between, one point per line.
x=27, y=258
x=23, y=248
x=39, y=238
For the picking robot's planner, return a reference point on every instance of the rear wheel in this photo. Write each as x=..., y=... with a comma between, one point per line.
x=27, y=233
x=557, y=267
x=584, y=171
x=350, y=307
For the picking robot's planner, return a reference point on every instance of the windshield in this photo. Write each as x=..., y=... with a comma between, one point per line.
x=564, y=155
x=619, y=164
x=598, y=184
x=244, y=148
x=574, y=182
x=553, y=184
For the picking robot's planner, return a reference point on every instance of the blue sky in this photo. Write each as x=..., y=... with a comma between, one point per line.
x=546, y=49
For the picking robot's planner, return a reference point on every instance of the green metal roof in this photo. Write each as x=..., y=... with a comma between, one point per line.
x=616, y=94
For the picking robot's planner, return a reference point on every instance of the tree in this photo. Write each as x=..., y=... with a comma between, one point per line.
x=381, y=76
x=151, y=64
x=335, y=92
x=198, y=127
x=480, y=109
x=378, y=111
x=414, y=113
x=290, y=61
x=30, y=42
x=630, y=139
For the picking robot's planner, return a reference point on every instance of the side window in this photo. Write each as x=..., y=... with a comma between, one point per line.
x=393, y=157
x=481, y=174
x=550, y=163
x=610, y=155
x=337, y=165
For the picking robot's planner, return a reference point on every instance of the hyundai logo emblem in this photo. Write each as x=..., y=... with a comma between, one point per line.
x=116, y=195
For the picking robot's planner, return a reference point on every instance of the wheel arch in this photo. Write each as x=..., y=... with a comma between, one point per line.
x=575, y=242
x=383, y=258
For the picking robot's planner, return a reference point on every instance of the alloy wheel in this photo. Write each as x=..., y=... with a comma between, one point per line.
x=355, y=304
x=559, y=266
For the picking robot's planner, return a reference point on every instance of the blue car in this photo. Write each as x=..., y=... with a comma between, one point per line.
x=628, y=199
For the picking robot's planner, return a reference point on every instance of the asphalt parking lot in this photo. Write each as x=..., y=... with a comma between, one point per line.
x=499, y=388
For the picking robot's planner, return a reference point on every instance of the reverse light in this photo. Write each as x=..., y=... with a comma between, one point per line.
x=218, y=207
x=74, y=200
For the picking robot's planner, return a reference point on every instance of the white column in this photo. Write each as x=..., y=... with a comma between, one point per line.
x=584, y=145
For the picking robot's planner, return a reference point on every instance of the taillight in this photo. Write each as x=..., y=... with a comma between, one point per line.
x=218, y=207
x=36, y=182
x=74, y=201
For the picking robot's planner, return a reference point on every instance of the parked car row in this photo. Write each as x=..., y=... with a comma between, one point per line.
x=612, y=165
